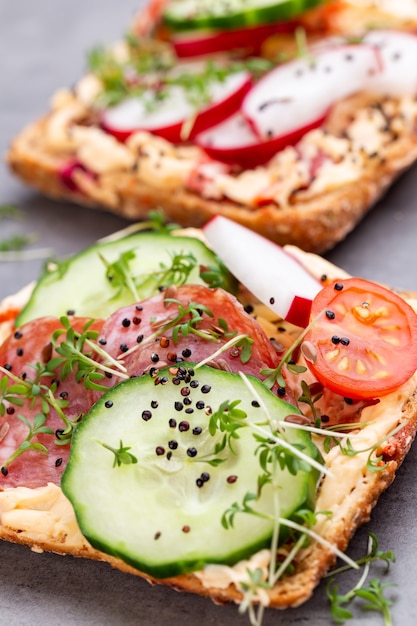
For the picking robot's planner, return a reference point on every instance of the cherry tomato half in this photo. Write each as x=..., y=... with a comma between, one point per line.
x=365, y=339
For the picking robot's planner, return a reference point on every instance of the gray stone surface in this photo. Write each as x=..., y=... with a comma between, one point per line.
x=43, y=46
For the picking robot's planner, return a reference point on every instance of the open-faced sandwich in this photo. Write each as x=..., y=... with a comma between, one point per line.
x=210, y=420
x=291, y=118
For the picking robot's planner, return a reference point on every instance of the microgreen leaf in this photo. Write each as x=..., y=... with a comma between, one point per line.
x=338, y=611
x=310, y=400
x=227, y=419
x=73, y=357
x=373, y=554
x=271, y=451
x=118, y=274
x=10, y=211
x=373, y=593
x=15, y=243
x=184, y=322
x=38, y=390
x=122, y=456
x=228, y=516
x=373, y=464
x=146, y=73
x=215, y=275
x=37, y=428
x=376, y=600
x=121, y=276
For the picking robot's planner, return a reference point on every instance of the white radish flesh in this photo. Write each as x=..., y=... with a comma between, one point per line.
x=296, y=97
x=166, y=117
x=296, y=94
x=398, y=53
x=234, y=132
x=233, y=141
x=273, y=276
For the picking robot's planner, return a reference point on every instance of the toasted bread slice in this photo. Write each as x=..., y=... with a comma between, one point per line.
x=43, y=518
x=148, y=172
x=310, y=195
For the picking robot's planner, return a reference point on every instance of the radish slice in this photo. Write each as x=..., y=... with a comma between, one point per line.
x=168, y=116
x=398, y=51
x=249, y=40
x=273, y=276
x=233, y=141
x=294, y=95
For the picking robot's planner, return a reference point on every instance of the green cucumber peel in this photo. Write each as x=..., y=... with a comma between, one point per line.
x=111, y=274
x=182, y=15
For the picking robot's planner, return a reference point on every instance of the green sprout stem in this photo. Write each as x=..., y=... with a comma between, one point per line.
x=37, y=428
x=174, y=322
x=122, y=456
x=287, y=561
x=109, y=358
x=275, y=532
x=373, y=594
x=275, y=375
x=277, y=426
x=229, y=344
x=313, y=535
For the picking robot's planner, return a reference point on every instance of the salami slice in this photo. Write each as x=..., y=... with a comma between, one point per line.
x=43, y=460
x=161, y=331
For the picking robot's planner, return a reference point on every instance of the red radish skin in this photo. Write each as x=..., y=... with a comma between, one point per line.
x=130, y=116
x=299, y=311
x=224, y=142
x=276, y=278
x=382, y=63
x=296, y=94
x=246, y=40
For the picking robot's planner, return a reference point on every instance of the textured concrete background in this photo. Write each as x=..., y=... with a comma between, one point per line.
x=42, y=47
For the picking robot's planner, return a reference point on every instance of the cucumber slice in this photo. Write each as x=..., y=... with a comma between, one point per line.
x=161, y=514
x=80, y=284
x=202, y=14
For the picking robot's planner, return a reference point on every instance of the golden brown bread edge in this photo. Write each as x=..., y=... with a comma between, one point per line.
x=314, y=225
